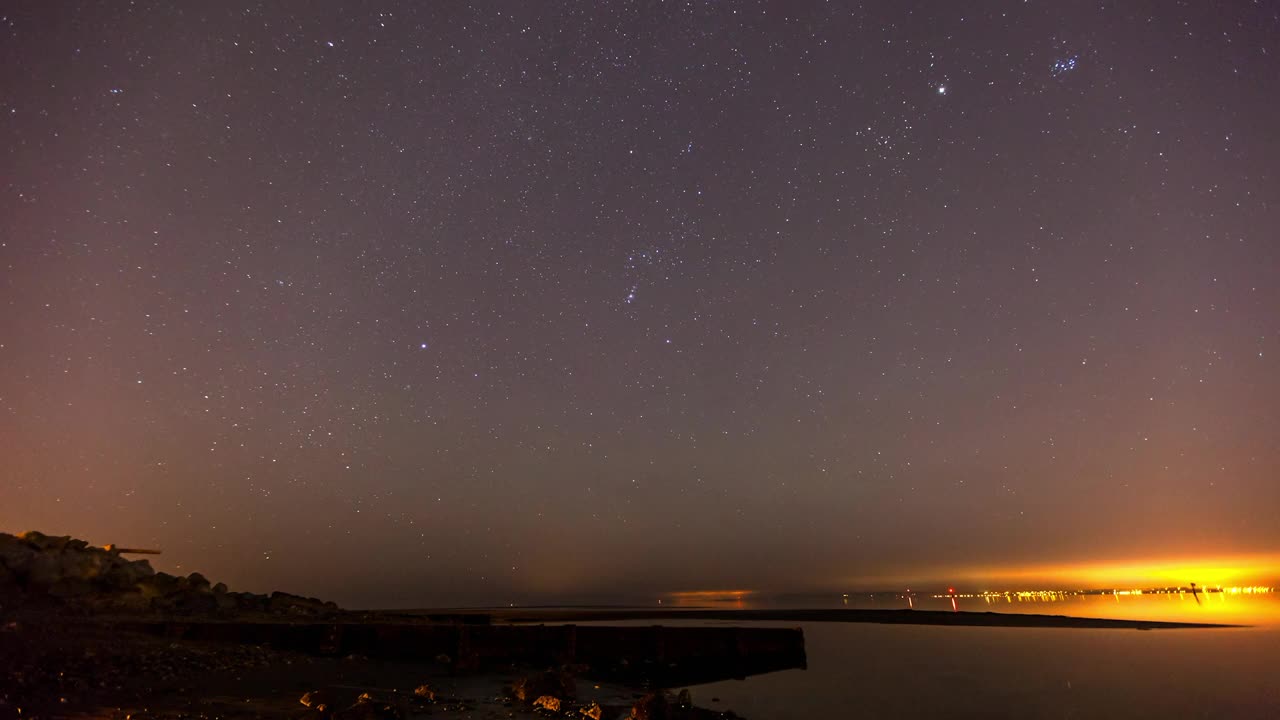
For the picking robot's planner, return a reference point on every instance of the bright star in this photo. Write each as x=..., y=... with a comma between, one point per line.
x=942, y=89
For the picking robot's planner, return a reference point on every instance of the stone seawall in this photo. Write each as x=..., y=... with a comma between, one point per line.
x=662, y=655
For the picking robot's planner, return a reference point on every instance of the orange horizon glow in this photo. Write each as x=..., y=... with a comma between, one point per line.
x=686, y=598
x=1245, y=569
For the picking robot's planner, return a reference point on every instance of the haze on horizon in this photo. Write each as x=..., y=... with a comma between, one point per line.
x=474, y=303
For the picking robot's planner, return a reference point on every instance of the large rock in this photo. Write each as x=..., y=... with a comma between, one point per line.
x=8, y=581
x=40, y=541
x=15, y=554
x=195, y=603
x=366, y=708
x=125, y=575
x=83, y=565
x=251, y=602
x=161, y=585
x=653, y=706
x=554, y=683
x=282, y=603
x=71, y=587
x=45, y=570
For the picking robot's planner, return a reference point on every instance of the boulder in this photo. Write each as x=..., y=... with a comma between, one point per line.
x=15, y=554
x=161, y=585
x=82, y=565
x=35, y=539
x=366, y=708
x=550, y=703
x=40, y=541
x=652, y=706
x=45, y=570
x=8, y=581
x=251, y=602
x=70, y=587
x=316, y=700
x=192, y=602
x=282, y=603
x=124, y=575
x=553, y=683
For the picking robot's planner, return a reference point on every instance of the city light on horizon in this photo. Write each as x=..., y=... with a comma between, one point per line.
x=1237, y=570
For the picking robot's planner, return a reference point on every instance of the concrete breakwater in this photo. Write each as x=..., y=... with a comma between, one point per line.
x=660, y=655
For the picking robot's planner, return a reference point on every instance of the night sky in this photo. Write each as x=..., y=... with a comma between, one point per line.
x=410, y=303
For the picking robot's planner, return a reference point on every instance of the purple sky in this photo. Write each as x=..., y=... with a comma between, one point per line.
x=407, y=303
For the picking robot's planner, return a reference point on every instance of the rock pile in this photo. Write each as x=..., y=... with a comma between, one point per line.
x=37, y=568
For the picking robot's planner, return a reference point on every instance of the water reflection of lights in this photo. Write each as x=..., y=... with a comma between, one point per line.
x=700, y=598
x=1060, y=595
x=1252, y=604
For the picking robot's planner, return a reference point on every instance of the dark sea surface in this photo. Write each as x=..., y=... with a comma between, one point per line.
x=869, y=670
x=1238, y=607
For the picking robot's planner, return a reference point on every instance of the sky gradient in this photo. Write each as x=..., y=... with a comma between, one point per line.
x=408, y=303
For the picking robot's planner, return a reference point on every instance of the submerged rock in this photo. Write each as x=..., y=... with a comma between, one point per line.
x=315, y=699
x=653, y=706
x=684, y=698
x=549, y=703
x=553, y=683
x=366, y=708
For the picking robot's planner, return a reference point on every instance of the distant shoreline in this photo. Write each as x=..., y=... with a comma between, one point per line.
x=888, y=617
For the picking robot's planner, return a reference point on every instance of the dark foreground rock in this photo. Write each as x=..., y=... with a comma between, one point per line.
x=86, y=632
x=51, y=667
x=38, y=569
x=52, y=664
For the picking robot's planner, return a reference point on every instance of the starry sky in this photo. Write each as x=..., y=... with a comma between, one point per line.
x=406, y=303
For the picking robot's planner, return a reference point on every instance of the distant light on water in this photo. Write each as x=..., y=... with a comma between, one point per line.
x=705, y=598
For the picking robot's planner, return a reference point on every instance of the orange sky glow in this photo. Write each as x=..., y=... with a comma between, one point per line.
x=1138, y=572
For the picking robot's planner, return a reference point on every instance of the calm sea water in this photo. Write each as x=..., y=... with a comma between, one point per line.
x=866, y=670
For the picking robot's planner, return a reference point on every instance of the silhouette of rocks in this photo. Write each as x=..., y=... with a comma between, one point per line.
x=40, y=569
x=282, y=603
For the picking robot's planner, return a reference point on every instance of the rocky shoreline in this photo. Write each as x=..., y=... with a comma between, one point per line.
x=71, y=646
x=43, y=569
